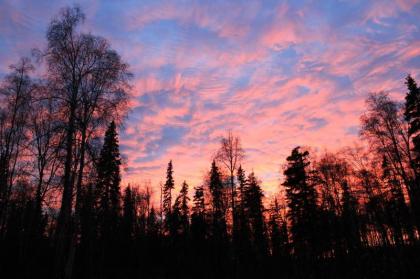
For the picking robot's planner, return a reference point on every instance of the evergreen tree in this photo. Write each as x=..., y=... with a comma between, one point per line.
x=182, y=200
x=199, y=232
x=181, y=212
x=254, y=211
x=219, y=241
x=301, y=198
x=242, y=186
x=108, y=180
x=216, y=189
x=241, y=232
x=412, y=116
x=167, y=195
x=108, y=192
x=198, y=216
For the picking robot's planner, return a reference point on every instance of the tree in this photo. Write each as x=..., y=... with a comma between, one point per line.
x=330, y=172
x=216, y=188
x=46, y=134
x=109, y=195
x=219, y=241
x=230, y=155
x=90, y=83
x=108, y=182
x=241, y=230
x=254, y=211
x=167, y=195
x=198, y=216
x=302, y=202
x=180, y=214
x=181, y=203
x=384, y=127
x=16, y=94
x=412, y=116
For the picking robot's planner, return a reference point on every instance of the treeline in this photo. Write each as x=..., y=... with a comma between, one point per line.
x=354, y=213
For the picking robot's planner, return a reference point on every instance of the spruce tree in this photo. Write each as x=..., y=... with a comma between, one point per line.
x=412, y=112
x=108, y=180
x=254, y=211
x=242, y=190
x=108, y=193
x=181, y=212
x=241, y=232
x=412, y=116
x=198, y=218
x=167, y=195
x=183, y=201
x=216, y=189
x=301, y=198
x=219, y=241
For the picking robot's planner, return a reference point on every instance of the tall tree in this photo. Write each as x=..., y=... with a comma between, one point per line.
x=241, y=230
x=108, y=181
x=216, y=189
x=412, y=116
x=384, y=127
x=218, y=238
x=15, y=95
x=329, y=174
x=302, y=202
x=198, y=216
x=184, y=211
x=167, y=195
x=109, y=195
x=45, y=145
x=89, y=80
x=255, y=215
x=230, y=155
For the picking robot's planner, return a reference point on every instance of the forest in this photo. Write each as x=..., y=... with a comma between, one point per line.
x=64, y=213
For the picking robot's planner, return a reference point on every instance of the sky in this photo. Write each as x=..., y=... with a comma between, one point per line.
x=277, y=73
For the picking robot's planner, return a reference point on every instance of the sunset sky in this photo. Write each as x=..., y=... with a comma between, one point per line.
x=279, y=73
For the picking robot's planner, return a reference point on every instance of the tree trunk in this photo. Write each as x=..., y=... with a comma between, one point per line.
x=63, y=237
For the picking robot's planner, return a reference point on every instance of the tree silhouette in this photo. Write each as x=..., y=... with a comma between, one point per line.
x=254, y=212
x=230, y=155
x=301, y=198
x=167, y=196
x=182, y=209
x=412, y=116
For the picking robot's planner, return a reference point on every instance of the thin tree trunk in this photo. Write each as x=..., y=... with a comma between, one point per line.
x=63, y=227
